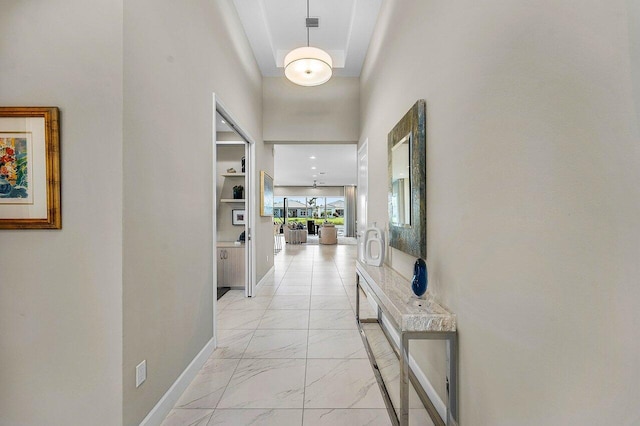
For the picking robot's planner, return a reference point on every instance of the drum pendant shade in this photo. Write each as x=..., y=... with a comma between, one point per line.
x=308, y=66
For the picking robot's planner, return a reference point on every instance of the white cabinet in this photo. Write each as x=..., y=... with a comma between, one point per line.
x=231, y=265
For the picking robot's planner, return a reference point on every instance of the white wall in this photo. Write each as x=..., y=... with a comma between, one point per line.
x=264, y=224
x=60, y=290
x=329, y=112
x=633, y=19
x=176, y=55
x=324, y=191
x=533, y=197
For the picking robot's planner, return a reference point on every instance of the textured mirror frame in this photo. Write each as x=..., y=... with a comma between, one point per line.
x=412, y=238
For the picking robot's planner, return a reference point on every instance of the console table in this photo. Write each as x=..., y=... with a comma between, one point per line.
x=412, y=318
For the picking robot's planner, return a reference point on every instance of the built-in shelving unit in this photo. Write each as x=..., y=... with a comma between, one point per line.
x=232, y=200
x=232, y=261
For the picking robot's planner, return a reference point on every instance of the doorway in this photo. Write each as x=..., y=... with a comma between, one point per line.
x=314, y=188
x=233, y=204
x=232, y=215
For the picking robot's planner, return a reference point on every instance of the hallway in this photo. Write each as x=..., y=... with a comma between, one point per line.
x=293, y=355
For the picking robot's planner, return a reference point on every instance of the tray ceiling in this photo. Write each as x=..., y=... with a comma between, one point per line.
x=275, y=27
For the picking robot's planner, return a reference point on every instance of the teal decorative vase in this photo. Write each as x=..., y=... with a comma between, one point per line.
x=420, y=279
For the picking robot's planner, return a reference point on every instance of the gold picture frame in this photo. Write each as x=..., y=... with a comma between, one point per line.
x=29, y=168
x=266, y=194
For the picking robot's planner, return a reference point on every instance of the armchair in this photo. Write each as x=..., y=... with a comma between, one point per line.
x=328, y=234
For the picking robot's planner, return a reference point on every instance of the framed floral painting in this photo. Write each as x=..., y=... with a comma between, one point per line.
x=29, y=168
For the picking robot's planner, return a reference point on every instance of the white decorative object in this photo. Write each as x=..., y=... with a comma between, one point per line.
x=374, y=237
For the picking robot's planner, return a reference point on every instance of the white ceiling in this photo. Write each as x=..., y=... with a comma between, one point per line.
x=335, y=165
x=275, y=27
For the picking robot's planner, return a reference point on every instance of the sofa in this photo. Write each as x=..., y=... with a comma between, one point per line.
x=328, y=234
x=288, y=227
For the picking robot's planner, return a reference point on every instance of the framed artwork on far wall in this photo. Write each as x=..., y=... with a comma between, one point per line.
x=266, y=194
x=238, y=217
x=29, y=168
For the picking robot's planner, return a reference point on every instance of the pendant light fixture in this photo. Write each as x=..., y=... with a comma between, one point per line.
x=308, y=66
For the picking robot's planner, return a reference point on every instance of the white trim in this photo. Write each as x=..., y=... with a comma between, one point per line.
x=169, y=399
x=362, y=197
x=220, y=107
x=230, y=142
x=214, y=221
x=250, y=178
x=265, y=276
x=440, y=406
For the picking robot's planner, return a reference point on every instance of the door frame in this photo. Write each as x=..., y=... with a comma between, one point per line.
x=362, y=196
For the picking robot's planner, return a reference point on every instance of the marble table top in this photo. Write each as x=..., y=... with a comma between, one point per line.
x=408, y=312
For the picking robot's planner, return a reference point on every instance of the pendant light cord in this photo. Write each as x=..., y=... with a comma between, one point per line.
x=307, y=23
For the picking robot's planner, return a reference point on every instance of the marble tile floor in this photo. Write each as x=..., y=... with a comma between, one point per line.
x=292, y=355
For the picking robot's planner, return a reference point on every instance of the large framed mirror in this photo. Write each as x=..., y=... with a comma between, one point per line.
x=407, y=149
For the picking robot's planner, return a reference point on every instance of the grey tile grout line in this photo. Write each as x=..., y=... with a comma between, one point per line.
x=225, y=388
x=314, y=260
x=253, y=333
x=240, y=359
x=306, y=361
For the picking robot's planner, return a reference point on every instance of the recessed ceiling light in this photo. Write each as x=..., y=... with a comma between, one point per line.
x=313, y=168
x=222, y=121
x=313, y=157
x=315, y=176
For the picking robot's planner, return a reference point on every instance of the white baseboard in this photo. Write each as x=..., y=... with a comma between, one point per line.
x=169, y=399
x=265, y=276
x=440, y=405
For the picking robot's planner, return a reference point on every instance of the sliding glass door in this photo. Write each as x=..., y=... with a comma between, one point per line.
x=296, y=208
